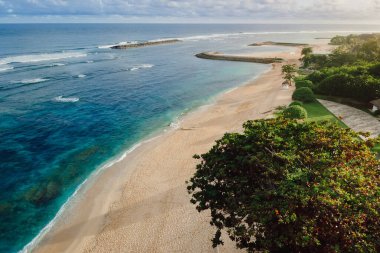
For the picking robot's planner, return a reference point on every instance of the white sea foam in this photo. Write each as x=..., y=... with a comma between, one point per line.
x=163, y=40
x=81, y=76
x=40, y=57
x=5, y=68
x=89, y=61
x=66, y=100
x=58, y=64
x=134, y=42
x=118, y=44
x=32, y=81
x=175, y=124
x=141, y=66
x=221, y=36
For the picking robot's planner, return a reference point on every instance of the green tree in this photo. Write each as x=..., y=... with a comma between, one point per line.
x=306, y=51
x=289, y=72
x=285, y=186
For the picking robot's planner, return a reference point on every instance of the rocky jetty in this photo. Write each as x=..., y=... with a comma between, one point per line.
x=224, y=57
x=145, y=44
x=271, y=43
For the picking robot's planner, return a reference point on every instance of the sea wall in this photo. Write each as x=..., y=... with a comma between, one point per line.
x=271, y=43
x=223, y=57
x=145, y=44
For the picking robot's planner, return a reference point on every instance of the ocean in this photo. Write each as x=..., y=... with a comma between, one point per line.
x=69, y=104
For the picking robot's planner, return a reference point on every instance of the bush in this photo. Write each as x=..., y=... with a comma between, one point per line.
x=374, y=70
x=317, y=76
x=296, y=103
x=304, y=83
x=362, y=88
x=303, y=94
x=283, y=186
x=295, y=112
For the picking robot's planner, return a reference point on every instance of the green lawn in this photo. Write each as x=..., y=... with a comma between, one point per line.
x=317, y=112
x=376, y=148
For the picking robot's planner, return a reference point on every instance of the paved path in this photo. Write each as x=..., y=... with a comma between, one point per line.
x=354, y=118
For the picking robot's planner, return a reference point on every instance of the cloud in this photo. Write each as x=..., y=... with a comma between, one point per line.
x=226, y=9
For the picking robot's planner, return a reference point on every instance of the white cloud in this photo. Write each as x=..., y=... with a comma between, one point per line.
x=231, y=9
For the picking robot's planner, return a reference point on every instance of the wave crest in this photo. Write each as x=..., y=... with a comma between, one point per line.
x=141, y=66
x=34, y=80
x=66, y=100
x=118, y=44
x=2, y=69
x=40, y=57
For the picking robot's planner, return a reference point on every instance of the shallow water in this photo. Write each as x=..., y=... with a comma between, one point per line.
x=68, y=103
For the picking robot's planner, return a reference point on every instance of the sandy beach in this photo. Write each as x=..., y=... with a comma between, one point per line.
x=141, y=204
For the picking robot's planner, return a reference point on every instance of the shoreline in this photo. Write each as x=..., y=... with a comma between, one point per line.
x=83, y=187
x=119, y=175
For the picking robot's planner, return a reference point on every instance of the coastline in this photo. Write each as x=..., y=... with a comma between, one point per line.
x=69, y=205
x=134, y=183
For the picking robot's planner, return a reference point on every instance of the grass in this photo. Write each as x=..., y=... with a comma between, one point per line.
x=317, y=112
x=376, y=148
x=365, y=107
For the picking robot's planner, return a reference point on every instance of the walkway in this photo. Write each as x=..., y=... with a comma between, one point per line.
x=354, y=118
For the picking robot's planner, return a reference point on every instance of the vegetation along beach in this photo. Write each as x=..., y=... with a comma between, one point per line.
x=156, y=127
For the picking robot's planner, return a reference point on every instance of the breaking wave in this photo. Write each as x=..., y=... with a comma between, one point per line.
x=5, y=68
x=142, y=66
x=32, y=81
x=40, y=57
x=66, y=100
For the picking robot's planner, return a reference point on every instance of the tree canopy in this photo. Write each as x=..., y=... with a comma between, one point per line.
x=289, y=72
x=290, y=186
x=352, y=70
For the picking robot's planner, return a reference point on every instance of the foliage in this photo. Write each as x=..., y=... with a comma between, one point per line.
x=288, y=186
x=304, y=83
x=306, y=51
x=294, y=112
x=317, y=76
x=351, y=50
x=303, y=94
x=374, y=70
x=296, y=103
x=289, y=72
x=314, y=61
x=360, y=81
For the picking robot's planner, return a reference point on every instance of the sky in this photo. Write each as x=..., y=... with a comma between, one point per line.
x=191, y=11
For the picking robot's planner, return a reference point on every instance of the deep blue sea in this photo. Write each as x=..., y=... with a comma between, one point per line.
x=69, y=103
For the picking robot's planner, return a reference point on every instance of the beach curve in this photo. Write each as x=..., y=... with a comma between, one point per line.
x=140, y=204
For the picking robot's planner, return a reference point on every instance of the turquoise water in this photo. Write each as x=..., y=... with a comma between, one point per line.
x=68, y=103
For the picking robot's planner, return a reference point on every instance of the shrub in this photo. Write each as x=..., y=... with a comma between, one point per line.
x=295, y=112
x=375, y=70
x=363, y=88
x=296, y=103
x=303, y=94
x=304, y=83
x=317, y=76
x=283, y=186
